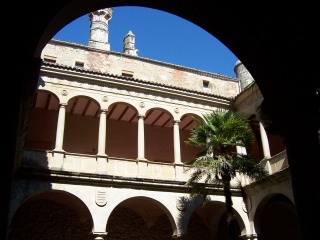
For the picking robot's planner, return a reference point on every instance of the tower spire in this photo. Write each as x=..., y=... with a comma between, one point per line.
x=128, y=44
x=99, y=28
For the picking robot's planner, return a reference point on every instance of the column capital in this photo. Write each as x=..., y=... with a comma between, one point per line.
x=103, y=110
x=176, y=121
x=141, y=116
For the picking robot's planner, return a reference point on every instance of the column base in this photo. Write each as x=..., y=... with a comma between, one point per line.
x=102, y=161
x=58, y=159
x=99, y=235
x=249, y=237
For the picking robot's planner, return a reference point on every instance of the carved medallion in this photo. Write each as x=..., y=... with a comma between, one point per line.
x=64, y=93
x=101, y=198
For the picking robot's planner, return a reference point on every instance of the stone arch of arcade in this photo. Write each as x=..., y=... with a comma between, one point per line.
x=42, y=121
x=207, y=220
x=81, y=128
x=276, y=218
x=51, y=214
x=275, y=143
x=141, y=217
x=187, y=123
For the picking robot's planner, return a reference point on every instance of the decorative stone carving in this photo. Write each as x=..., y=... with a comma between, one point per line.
x=101, y=198
x=64, y=93
x=142, y=105
x=105, y=99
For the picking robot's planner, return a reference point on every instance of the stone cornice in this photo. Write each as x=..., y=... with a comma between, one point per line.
x=271, y=180
x=100, y=80
x=93, y=179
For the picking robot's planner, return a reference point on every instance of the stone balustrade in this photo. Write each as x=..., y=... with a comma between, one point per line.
x=121, y=167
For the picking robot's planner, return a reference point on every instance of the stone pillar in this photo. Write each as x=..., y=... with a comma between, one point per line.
x=102, y=157
x=141, y=137
x=102, y=133
x=176, y=142
x=265, y=142
x=60, y=128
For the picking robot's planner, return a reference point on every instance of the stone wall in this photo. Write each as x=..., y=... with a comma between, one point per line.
x=140, y=68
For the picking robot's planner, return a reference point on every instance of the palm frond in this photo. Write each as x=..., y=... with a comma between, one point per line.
x=245, y=165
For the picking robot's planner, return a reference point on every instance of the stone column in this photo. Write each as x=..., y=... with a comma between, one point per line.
x=102, y=157
x=176, y=142
x=102, y=133
x=58, y=152
x=60, y=128
x=141, y=137
x=265, y=142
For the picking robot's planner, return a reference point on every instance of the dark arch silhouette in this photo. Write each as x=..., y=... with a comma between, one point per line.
x=276, y=218
x=141, y=217
x=276, y=44
x=52, y=214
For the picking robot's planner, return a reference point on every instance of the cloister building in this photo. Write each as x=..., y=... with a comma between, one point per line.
x=105, y=154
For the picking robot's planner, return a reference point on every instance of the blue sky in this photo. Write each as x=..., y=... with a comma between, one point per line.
x=160, y=36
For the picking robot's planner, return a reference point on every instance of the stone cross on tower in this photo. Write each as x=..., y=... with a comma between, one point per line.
x=128, y=44
x=99, y=28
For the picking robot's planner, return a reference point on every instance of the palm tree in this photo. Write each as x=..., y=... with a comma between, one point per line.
x=218, y=163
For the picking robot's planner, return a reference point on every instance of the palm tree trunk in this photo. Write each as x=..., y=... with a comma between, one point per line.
x=231, y=221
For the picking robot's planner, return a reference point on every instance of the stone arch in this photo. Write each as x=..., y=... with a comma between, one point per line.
x=142, y=217
x=81, y=125
x=51, y=214
x=255, y=148
x=159, y=122
x=186, y=124
x=42, y=122
x=275, y=141
x=122, y=130
x=199, y=220
x=276, y=218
